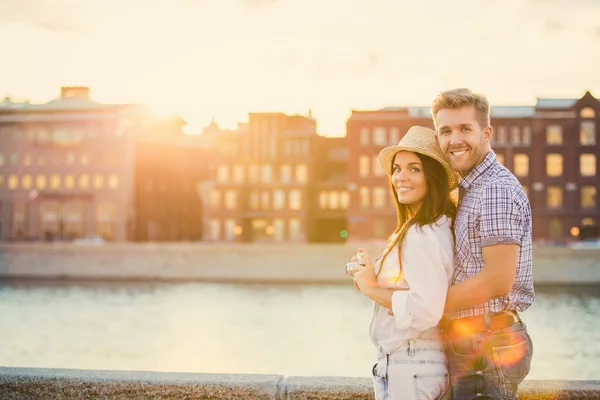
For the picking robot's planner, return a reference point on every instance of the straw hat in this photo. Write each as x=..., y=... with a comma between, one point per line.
x=418, y=140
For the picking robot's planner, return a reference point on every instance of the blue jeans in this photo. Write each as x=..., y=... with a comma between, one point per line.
x=416, y=370
x=489, y=365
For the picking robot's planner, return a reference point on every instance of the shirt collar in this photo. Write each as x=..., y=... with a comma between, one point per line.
x=488, y=161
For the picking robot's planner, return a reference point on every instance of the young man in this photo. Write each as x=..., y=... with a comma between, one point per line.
x=489, y=349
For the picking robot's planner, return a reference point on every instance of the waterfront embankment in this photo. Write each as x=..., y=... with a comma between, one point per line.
x=257, y=262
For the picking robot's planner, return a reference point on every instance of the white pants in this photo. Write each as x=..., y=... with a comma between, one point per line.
x=416, y=370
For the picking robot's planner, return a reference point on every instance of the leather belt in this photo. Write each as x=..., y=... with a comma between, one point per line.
x=477, y=323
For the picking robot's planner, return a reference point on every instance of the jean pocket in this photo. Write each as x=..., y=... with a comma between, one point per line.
x=431, y=386
x=512, y=363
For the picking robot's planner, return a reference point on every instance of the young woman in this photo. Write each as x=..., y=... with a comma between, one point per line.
x=410, y=279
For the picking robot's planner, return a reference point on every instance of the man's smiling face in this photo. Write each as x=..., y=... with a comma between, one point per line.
x=461, y=138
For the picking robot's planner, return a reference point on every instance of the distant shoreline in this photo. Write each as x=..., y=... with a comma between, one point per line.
x=240, y=263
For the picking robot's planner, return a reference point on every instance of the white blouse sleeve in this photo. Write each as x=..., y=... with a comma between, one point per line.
x=427, y=268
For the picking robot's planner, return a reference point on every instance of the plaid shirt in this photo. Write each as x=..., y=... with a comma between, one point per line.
x=494, y=210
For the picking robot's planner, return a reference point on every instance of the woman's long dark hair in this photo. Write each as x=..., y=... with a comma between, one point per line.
x=437, y=203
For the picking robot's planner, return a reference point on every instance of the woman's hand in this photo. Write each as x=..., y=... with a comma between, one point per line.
x=364, y=278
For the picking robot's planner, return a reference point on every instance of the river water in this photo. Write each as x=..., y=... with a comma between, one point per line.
x=291, y=330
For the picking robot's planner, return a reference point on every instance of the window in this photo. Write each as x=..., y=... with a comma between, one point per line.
x=266, y=174
x=113, y=181
x=286, y=173
x=588, y=196
x=363, y=166
x=265, y=200
x=587, y=164
x=40, y=182
x=13, y=182
x=334, y=200
x=501, y=136
x=84, y=159
x=69, y=181
x=587, y=112
x=587, y=133
x=215, y=229
x=295, y=200
x=1, y=159
x=1, y=181
x=254, y=200
x=278, y=229
x=84, y=181
x=500, y=158
x=70, y=158
x=230, y=229
x=394, y=136
x=554, y=164
x=344, y=200
x=515, y=136
x=27, y=160
x=106, y=216
x=238, y=173
x=230, y=199
x=26, y=182
x=14, y=158
x=377, y=170
x=379, y=195
x=98, y=181
x=253, y=173
x=364, y=136
x=364, y=197
x=295, y=230
x=73, y=217
x=555, y=196
x=526, y=190
x=222, y=173
x=379, y=136
x=555, y=228
x=521, y=164
x=215, y=199
x=526, y=136
x=301, y=173
x=55, y=181
x=323, y=200
x=19, y=220
x=379, y=228
x=554, y=135
x=278, y=199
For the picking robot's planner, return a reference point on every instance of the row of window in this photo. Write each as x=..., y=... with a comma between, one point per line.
x=56, y=135
x=554, y=164
x=276, y=230
x=62, y=219
x=555, y=196
x=587, y=134
x=376, y=197
x=520, y=136
x=57, y=159
x=262, y=173
x=56, y=181
x=278, y=199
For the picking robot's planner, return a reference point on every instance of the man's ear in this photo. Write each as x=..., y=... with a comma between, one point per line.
x=488, y=133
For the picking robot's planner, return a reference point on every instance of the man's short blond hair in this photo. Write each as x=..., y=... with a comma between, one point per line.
x=458, y=98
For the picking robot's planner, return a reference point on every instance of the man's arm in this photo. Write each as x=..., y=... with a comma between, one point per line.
x=494, y=280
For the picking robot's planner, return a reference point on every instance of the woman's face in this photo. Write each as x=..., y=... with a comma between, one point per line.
x=409, y=179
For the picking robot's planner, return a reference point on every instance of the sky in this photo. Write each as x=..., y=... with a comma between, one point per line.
x=221, y=59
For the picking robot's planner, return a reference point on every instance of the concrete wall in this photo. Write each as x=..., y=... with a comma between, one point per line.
x=293, y=263
x=50, y=384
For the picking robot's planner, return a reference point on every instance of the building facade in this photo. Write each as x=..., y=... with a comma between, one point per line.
x=74, y=168
x=66, y=168
x=277, y=180
x=552, y=148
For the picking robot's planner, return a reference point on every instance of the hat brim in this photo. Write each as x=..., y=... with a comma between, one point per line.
x=387, y=155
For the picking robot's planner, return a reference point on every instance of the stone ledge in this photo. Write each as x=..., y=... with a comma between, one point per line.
x=50, y=384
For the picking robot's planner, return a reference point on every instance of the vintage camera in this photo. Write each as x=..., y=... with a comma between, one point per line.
x=351, y=266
